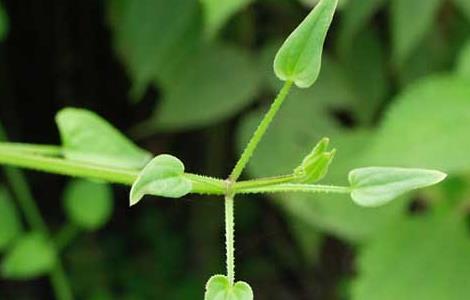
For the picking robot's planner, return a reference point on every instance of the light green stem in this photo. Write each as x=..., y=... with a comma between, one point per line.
x=66, y=167
x=49, y=150
x=229, y=238
x=259, y=132
x=294, y=187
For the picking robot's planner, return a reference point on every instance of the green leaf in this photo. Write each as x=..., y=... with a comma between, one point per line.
x=88, y=204
x=154, y=37
x=163, y=176
x=31, y=256
x=464, y=6
x=408, y=30
x=423, y=258
x=216, y=13
x=3, y=22
x=89, y=138
x=218, y=288
x=299, y=58
x=10, y=225
x=354, y=17
x=375, y=186
x=217, y=84
x=426, y=127
x=463, y=64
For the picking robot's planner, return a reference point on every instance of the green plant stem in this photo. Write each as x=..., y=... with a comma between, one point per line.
x=26, y=201
x=293, y=187
x=66, y=167
x=262, y=182
x=260, y=131
x=66, y=235
x=229, y=238
x=49, y=150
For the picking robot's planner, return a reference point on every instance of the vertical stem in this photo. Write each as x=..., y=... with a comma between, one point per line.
x=26, y=201
x=229, y=238
x=260, y=131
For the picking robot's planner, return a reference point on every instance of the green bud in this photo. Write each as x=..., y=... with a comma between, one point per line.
x=315, y=165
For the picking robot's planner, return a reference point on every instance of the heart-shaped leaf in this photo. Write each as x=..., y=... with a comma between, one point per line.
x=219, y=288
x=30, y=257
x=88, y=204
x=299, y=58
x=163, y=176
x=375, y=186
x=89, y=138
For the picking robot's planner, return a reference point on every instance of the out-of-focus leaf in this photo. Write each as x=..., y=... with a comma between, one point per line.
x=217, y=84
x=155, y=37
x=10, y=225
x=3, y=22
x=354, y=17
x=464, y=6
x=312, y=3
x=31, y=256
x=219, y=287
x=410, y=22
x=424, y=258
x=299, y=58
x=463, y=64
x=375, y=186
x=89, y=138
x=216, y=13
x=163, y=176
x=88, y=204
x=364, y=63
x=426, y=127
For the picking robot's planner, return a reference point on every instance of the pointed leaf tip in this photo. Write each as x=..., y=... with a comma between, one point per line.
x=163, y=176
x=299, y=58
x=375, y=186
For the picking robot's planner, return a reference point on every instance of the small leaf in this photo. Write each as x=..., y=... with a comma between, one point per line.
x=217, y=12
x=375, y=186
x=88, y=204
x=3, y=22
x=218, y=288
x=315, y=165
x=31, y=256
x=89, y=138
x=10, y=225
x=299, y=58
x=163, y=176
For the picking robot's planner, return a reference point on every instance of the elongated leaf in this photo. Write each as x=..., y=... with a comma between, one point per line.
x=218, y=83
x=163, y=176
x=463, y=64
x=299, y=58
x=354, y=17
x=411, y=21
x=375, y=186
x=88, y=204
x=216, y=13
x=426, y=127
x=89, y=138
x=425, y=258
x=10, y=225
x=218, y=288
x=31, y=256
x=3, y=22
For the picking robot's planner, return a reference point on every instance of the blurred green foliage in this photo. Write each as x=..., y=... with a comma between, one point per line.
x=394, y=89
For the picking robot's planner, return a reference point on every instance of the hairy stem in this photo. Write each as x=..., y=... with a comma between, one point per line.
x=260, y=131
x=229, y=238
x=293, y=187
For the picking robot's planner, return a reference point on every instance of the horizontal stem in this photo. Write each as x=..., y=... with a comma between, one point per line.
x=49, y=150
x=262, y=182
x=294, y=187
x=66, y=167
